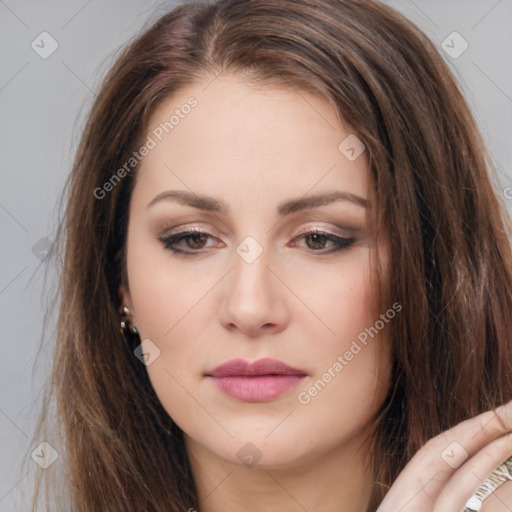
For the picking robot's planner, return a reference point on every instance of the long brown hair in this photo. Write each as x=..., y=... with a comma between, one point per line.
x=433, y=188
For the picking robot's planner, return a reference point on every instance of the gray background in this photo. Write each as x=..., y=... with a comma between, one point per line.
x=43, y=103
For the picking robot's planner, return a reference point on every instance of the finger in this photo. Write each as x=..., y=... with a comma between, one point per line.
x=424, y=477
x=471, y=475
x=465, y=439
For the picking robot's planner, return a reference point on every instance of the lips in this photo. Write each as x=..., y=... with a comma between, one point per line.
x=259, y=381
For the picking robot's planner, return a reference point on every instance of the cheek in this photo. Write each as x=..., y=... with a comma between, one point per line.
x=168, y=297
x=171, y=309
x=351, y=362
x=343, y=306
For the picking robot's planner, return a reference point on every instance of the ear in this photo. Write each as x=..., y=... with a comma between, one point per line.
x=125, y=300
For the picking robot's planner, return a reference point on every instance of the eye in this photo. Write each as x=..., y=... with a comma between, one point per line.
x=316, y=240
x=195, y=240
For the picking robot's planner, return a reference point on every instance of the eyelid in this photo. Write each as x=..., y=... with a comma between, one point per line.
x=327, y=230
x=186, y=228
x=209, y=231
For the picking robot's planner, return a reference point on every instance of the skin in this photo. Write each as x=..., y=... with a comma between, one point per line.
x=253, y=148
x=429, y=484
x=203, y=310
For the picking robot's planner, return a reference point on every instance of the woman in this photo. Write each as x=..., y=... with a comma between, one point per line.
x=286, y=207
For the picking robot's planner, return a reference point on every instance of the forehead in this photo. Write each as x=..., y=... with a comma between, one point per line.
x=243, y=142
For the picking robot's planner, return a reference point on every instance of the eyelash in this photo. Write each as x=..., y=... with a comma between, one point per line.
x=169, y=241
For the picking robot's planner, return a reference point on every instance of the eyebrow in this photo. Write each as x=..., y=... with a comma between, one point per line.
x=211, y=204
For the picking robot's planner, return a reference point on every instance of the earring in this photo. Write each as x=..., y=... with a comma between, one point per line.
x=124, y=323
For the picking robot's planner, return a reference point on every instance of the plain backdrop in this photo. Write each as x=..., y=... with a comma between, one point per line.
x=43, y=102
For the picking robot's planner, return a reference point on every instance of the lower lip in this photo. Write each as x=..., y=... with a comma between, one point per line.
x=257, y=388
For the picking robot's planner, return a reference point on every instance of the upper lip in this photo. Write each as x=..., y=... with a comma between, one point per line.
x=266, y=366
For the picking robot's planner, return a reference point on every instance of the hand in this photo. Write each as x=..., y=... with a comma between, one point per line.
x=450, y=468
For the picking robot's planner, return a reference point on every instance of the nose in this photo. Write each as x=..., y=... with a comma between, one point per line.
x=254, y=299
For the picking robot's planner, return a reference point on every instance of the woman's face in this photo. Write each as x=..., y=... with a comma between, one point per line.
x=247, y=167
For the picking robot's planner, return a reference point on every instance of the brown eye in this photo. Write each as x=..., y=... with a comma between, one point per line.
x=317, y=240
x=197, y=240
x=194, y=241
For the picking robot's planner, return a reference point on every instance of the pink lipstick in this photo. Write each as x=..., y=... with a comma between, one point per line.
x=259, y=381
